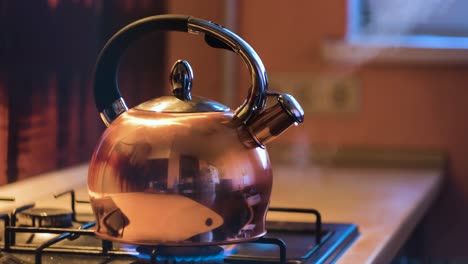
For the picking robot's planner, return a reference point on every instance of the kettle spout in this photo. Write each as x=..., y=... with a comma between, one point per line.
x=272, y=122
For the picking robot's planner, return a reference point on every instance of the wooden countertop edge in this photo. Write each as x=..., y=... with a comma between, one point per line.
x=391, y=248
x=358, y=156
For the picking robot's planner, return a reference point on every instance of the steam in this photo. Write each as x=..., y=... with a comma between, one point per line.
x=387, y=25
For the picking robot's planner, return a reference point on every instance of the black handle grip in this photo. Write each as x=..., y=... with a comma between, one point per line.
x=216, y=43
x=106, y=90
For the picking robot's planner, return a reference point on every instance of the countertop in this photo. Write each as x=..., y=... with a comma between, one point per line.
x=386, y=204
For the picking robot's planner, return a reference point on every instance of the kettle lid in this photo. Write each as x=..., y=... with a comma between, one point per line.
x=182, y=101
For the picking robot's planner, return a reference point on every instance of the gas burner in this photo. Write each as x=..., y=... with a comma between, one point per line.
x=45, y=217
x=181, y=254
x=287, y=242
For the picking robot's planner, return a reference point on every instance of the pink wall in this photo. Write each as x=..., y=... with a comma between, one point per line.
x=402, y=105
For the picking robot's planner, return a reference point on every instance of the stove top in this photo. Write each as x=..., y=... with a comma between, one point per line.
x=286, y=242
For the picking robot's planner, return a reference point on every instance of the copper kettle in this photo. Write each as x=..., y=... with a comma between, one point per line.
x=182, y=169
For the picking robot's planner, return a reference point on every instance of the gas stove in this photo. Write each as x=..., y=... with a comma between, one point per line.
x=35, y=234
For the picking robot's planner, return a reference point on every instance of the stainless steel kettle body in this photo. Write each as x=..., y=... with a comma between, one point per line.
x=181, y=169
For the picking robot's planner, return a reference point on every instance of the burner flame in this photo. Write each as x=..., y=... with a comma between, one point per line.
x=230, y=250
x=183, y=254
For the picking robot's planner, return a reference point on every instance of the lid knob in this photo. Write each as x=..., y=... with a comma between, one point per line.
x=181, y=78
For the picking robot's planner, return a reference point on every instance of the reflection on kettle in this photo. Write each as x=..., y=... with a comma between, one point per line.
x=170, y=217
x=113, y=221
x=189, y=167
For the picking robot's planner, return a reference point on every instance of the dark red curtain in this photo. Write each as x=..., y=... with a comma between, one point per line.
x=47, y=52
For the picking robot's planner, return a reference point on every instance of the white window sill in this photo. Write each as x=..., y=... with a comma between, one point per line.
x=427, y=50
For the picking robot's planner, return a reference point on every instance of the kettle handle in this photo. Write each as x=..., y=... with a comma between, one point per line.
x=108, y=99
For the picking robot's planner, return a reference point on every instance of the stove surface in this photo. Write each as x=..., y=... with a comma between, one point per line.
x=286, y=242
x=300, y=240
x=301, y=244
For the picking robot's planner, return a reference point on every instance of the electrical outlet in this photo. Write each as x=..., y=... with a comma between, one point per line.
x=321, y=94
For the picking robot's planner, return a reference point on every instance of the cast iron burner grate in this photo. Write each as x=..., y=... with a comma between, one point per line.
x=286, y=242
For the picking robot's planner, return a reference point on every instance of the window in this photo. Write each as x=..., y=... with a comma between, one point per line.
x=408, y=31
x=424, y=23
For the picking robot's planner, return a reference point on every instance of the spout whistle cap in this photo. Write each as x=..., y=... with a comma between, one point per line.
x=291, y=107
